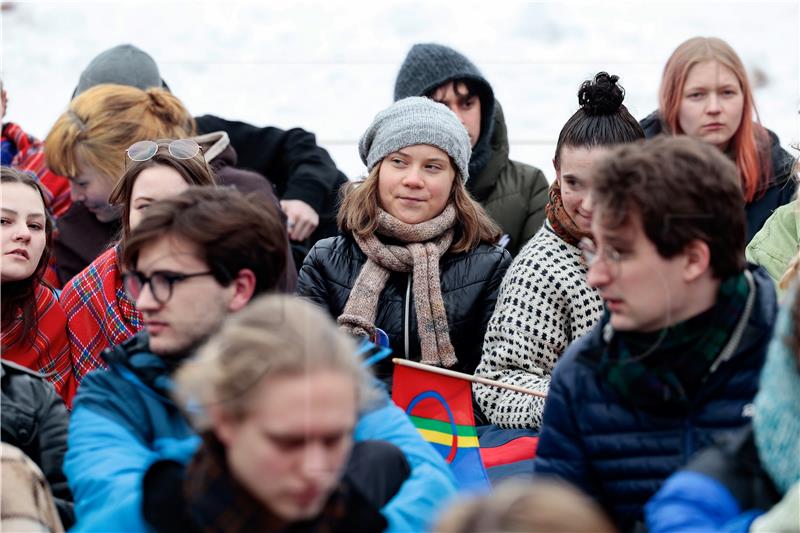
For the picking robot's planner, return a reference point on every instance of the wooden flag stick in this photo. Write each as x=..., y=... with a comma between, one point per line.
x=461, y=375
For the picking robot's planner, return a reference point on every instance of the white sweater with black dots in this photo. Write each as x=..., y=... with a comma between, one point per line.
x=544, y=304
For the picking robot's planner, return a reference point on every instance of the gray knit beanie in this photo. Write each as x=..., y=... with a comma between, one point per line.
x=124, y=64
x=416, y=120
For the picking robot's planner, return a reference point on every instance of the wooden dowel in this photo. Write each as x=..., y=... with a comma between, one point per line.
x=468, y=377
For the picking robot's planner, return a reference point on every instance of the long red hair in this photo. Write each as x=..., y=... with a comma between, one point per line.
x=750, y=143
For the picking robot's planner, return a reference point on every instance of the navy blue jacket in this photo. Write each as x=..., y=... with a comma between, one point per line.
x=619, y=453
x=779, y=190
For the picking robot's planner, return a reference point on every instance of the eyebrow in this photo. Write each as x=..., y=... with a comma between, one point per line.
x=13, y=212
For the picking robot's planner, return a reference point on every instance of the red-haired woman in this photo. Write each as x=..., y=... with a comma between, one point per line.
x=33, y=323
x=705, y=94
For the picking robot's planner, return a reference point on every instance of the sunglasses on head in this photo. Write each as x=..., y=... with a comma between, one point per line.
x=179, y=149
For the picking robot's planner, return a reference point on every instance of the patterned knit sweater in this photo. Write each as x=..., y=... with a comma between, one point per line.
x=544, y=304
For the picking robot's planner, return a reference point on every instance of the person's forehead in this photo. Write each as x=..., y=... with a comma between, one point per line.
x=169, y=252
x=23, y=199
x=629, y=230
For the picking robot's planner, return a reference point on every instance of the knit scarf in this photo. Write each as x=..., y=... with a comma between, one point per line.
x=426, y=242
x=661, y=371
x=559, y=220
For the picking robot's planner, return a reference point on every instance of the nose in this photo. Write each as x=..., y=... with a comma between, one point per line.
x=599, y=274
x=713, y=106
x=315, y=460
x=413, y=177
x=586, y=203
x=146, y=301
x=22, y=232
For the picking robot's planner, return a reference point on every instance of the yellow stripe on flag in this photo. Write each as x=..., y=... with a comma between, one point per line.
x=446, y=439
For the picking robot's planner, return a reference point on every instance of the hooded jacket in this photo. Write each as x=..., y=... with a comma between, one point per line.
x=514, y=194
x=778, y=189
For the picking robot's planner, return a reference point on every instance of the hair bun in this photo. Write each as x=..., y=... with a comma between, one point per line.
x=601, y=96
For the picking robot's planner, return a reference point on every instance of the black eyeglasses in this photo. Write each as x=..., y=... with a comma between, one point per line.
x=161, y=283
x=179, y=149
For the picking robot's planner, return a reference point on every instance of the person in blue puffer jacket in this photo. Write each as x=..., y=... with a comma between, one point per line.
x=189, y=264
x=674, y=362
x=731, y=484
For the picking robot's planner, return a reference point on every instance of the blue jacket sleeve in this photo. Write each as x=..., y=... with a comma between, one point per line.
x=691, y=501
x=431, y=484
x=560, y=451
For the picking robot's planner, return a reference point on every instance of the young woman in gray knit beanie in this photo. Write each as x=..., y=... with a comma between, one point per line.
x=417, y=256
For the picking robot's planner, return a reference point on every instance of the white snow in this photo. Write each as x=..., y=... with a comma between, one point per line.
x=329, y=67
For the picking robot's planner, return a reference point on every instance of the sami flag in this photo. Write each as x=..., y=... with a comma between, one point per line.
x=441, y=409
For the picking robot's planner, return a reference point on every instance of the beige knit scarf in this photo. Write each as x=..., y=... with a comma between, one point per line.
x=426, y=242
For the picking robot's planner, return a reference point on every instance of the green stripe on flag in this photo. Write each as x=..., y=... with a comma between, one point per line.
x=442, y=427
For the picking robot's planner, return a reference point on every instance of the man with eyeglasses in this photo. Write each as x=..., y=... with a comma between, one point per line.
x=190, y=262
x=674, y=363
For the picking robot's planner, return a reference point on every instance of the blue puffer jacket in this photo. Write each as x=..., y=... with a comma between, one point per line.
x=123, y=421
x=619, y=453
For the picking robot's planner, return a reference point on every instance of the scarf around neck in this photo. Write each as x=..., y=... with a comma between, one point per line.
x=662, y=370
x=425, y=243
x=557, y=216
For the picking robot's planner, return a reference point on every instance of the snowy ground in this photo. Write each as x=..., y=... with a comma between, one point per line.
x=329, y=67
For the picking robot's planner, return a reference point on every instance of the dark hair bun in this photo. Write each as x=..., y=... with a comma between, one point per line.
x=601, y=96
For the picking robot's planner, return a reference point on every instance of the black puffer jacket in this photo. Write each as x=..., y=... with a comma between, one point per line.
x=34, y=419
x=777, y=189
x=470, y=283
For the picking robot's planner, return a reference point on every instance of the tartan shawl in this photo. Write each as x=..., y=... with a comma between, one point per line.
x=48, y=351
x=99, y=313
x=30, y=156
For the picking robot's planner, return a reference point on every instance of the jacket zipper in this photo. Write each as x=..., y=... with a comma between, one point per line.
x=406, y=315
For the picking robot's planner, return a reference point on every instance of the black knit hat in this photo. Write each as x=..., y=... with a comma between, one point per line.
x=429, y=65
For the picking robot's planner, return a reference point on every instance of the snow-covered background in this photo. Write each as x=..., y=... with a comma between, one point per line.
x=329, y=67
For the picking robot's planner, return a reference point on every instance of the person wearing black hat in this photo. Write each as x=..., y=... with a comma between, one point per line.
x=305, y=177
x=513, y=193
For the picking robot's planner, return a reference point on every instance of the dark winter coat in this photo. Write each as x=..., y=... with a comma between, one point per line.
x=470, y=283
x=779, y=188
x=620, y=453
x=723, y=485
x=81, y=238
x=35, y=420
x=299, y=168
x=513, y=193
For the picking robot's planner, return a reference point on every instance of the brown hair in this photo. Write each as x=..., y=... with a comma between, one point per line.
x=194, y=171
x=358, y=213
x=271, y=336
x=517, y=506
x=104, y=121
x=750, y=143
x=230, y=230
x=19, y=297
x=683, y=190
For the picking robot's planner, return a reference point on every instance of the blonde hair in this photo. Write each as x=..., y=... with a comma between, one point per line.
x=358, y=213
x=750, y=143
x=517, y=506
x=273, y=335
x=101, y=123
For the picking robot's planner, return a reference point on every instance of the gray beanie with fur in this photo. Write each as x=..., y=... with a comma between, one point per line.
x=416, y=120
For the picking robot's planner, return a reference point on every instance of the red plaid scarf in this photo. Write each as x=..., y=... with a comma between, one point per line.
x=47, y=350
x=30, y=156
x=99, y=313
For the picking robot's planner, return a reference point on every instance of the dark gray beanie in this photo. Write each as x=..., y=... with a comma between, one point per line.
x=124, y=64
x=411, y=121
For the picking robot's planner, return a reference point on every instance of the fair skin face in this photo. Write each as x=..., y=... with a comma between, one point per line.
x=644, y=291
x=467, y=109
x=197, y=306
x=92, y=188
x=301, y=219
x=574, y=175
x=290, y=448
x=712, y=103
x=153, y=184
x=22, y=231
x=414, y=183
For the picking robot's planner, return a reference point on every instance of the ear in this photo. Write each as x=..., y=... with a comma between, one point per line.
x=244, y=285
x=222, y=424
x=697, y=260
x=557, y=168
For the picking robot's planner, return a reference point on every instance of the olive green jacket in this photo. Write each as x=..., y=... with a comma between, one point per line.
x=778, y=241
x=514, y=194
